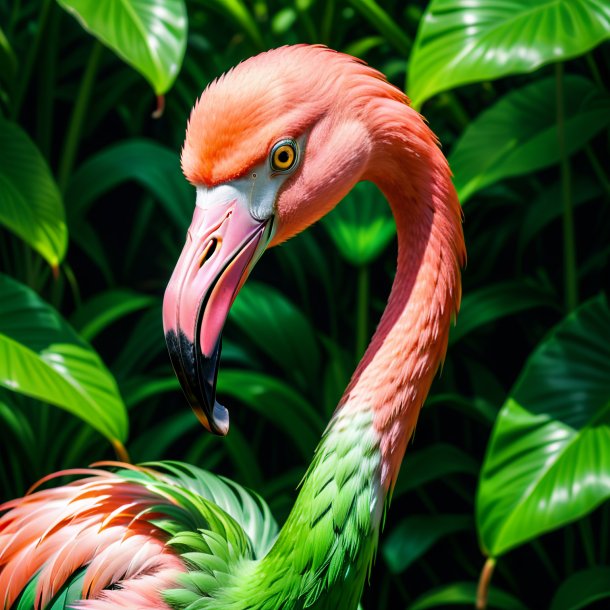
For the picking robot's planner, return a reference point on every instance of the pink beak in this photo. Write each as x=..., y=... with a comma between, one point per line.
x=223, y=243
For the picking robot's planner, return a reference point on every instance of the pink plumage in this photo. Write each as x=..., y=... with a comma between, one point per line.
x=102, y=521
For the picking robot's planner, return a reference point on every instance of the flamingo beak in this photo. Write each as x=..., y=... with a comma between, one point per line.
x=223, y=243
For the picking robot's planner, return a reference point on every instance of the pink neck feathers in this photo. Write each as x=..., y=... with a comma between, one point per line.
x=405, y=352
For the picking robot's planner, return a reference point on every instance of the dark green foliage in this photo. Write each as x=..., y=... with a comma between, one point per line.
x=518, y=93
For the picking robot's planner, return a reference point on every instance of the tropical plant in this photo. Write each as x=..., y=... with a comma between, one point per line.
x=507, y=478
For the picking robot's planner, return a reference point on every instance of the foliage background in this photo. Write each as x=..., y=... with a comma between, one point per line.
x=510, y=466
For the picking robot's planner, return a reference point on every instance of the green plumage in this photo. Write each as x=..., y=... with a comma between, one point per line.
x=322, y=555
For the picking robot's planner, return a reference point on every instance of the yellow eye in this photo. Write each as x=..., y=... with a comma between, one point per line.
x=284, y=155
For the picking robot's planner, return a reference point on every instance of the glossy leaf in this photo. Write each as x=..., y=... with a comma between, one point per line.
x=548, y=458
x=42, y=357
x=30, y=202
x=149, y=35
x=417, y=534
x=518, y=134
x=107, y=307
x=496, y=301
x=361, y=226
x=465, y=594
x=460, y=41
x=279, y=329
x=582, y=589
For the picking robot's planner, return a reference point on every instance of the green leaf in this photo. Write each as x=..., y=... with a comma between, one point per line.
x=384, y=24
x=548, y=458
x=548, y=206
x=432, y=463
x=239, y=13
x=582, y=589
x=107, y=307
x=277, y=402
x=151, y=165
x=279, y=329
x=42, y=357
x=465, y=594
x=518, y=134
x=361, y=226
x=30, y=203
x=417, y=534
x=8, y=61
x=460, y=42
x=149, y=35
x=496, y=301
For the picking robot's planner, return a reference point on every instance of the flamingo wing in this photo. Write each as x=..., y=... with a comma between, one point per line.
x=123, y=539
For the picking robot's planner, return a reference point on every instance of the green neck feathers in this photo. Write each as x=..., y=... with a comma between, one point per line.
x=324, y=551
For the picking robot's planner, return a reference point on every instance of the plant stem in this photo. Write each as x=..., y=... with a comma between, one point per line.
x=569, y=249
x=48, y=62
x=484, y=582
x=362, y=319
x=26, y=71
x=78, y=114
x=121, y=451
x=327, y=22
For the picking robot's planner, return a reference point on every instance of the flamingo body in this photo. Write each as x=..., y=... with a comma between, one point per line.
x=271, y=147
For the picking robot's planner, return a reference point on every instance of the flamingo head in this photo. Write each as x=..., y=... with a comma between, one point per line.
x=271, y=147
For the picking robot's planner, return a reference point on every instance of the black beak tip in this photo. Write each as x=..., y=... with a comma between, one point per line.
x=197, y=376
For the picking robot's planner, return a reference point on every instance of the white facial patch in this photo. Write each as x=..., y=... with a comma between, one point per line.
x=259, y=189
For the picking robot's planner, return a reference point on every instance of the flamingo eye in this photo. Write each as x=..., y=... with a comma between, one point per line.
x=284, y=156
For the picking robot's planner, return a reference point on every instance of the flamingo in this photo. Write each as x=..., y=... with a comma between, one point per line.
x=271, y=147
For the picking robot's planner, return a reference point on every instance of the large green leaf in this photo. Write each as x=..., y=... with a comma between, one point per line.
x=465, y=594
x=361, y=226
x=151, y=165
x=279, y=329
x=496, y=301
x=416, y=534
x=460, y=41
x=30, y=203
x=42, y=357
x=518, y=134
x=150, y=35
x=106, y=307
x=548, y=458
x=582, y=589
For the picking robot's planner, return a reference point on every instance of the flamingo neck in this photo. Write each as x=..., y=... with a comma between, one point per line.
x=394, y=376
x=323, y=552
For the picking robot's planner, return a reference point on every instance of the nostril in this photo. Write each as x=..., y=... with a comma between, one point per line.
x=212, y=246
